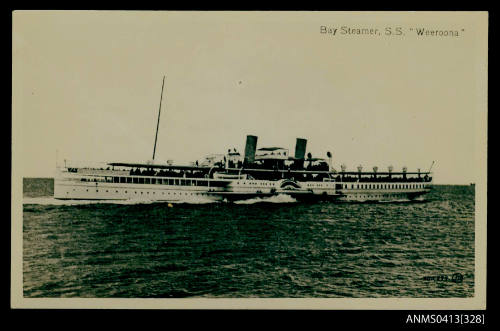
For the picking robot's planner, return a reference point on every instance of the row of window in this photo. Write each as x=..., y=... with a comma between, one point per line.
x=318, y=185
x=383, y=186
x=371, y=196
x=167, y=181
x=149, y=180
x=147, y=192
x=262, y=183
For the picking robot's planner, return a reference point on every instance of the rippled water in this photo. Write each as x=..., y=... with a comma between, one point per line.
x=277, y=248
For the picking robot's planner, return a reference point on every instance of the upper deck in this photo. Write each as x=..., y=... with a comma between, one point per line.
x=138, y=170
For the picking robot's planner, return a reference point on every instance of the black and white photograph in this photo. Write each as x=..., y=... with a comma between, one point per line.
x=211, y=159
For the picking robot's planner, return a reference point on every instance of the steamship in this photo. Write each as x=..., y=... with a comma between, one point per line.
x=262, y=172
x=259, y=173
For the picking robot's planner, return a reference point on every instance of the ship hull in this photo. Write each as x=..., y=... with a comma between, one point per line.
x=383, y=196
x=110, y=186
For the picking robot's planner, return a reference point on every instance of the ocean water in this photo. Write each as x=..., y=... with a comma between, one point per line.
x=257, y=248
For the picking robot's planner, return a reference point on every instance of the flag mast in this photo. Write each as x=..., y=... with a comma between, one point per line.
x=158, y=123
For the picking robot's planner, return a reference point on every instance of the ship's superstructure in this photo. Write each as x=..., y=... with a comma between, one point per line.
x=260, y=172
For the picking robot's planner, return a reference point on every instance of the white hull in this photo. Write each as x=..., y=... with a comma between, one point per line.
x=112, y=185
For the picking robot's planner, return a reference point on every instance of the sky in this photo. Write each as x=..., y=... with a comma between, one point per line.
x=87, y=85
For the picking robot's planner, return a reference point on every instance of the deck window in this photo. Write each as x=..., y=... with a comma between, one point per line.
x=129, y=180
x=147, y=180
x=135, y=180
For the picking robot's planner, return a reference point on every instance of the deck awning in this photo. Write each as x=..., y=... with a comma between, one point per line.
x=158, y=166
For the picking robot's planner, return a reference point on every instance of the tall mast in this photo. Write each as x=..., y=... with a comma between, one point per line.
x=159, y=112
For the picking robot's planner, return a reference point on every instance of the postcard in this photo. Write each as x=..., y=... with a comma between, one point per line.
x=249, y=160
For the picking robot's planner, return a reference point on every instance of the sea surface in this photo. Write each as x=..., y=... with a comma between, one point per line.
x=257, y=248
